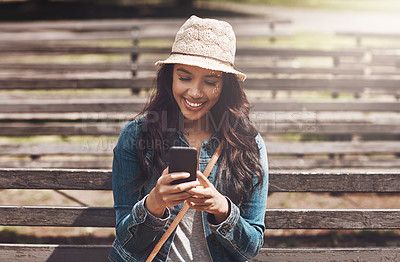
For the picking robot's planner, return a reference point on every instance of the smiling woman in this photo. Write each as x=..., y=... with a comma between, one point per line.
x=198, y=102
x=196, y=90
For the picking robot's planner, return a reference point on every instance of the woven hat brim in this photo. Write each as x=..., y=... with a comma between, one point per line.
x=202, y=62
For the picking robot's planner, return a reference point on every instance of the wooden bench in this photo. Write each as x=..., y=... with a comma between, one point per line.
x=382, y=55
x=359, y=36
x=385, y=62
x=89, y=99
x=273, y=117
x=39, y=97
x=292, y=155
x=280, y=181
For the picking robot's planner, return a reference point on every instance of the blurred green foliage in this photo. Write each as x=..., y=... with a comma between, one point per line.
x=341, y=5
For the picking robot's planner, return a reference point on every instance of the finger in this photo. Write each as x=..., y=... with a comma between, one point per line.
x=175, y=176
x=166, y=179
x=200, y=201
x=195, y=202
x=165, y=171
x=184, y=187
x=177, y=197
x=202, y=178
x=198, y=206
x=201, y=192
x=197, y=191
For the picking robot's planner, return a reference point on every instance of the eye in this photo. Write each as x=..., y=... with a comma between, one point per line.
x=210, y=83
x=184, y=78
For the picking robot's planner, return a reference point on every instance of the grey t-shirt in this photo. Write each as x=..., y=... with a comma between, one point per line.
x=190, y=243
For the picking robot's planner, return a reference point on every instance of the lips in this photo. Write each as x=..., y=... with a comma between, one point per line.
x=193, y=105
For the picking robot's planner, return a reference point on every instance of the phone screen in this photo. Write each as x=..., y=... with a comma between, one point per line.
x=183, y=159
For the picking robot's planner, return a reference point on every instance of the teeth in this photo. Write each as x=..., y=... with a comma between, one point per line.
x=193, y=104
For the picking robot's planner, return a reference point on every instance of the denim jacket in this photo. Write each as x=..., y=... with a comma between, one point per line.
x=238, y=238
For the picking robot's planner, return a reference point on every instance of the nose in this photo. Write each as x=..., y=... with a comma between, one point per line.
x=195, y=91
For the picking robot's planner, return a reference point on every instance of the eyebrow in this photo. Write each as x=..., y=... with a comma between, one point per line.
x=187, y=72
x=213, y=75
x=184, y=70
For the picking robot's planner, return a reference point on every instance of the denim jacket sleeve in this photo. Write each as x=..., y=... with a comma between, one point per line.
x=136, y=227
x=242, y=232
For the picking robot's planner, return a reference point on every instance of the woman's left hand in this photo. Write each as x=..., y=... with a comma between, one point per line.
x=207, y=198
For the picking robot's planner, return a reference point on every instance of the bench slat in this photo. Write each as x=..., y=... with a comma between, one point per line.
x=293, y=52
x=43, y=83
x=313, y=148
x=150, y=67
x=15, y=37
x=342, y=84
x=362, y=106
x=18, y=49
x=99, y=163
x=275, y=163
x=332, y=219
x=299, y=70
x=74, y=179
x=84, y=253
x=349, y=85
x=114, y=129
x=280, y=181
x=73, y=105
x=52, y=253
x=278, y=254
x=258, y=117
x=44, y=48
x=369, y=34
x=57, y=216
x=275, y=218
x=136, y=104
x=122, y=24
x=335, y=182
x=124, y=66
x=274, y=148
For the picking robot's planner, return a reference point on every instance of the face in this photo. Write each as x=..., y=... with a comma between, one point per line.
x=196, y=90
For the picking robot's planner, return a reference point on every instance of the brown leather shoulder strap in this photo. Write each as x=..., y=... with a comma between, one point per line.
x=185, y=207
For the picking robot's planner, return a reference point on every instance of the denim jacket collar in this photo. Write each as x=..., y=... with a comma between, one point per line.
x=211, y=143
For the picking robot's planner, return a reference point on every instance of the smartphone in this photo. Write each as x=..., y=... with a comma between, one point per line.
x=183, y=159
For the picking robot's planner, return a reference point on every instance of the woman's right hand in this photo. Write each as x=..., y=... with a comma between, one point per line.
x=166, y=195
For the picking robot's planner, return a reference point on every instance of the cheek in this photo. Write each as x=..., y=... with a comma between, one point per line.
x=213, y=98
x=176, y=89
x=216, y=92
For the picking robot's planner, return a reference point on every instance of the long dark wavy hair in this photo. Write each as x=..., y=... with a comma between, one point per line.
x=240, y=162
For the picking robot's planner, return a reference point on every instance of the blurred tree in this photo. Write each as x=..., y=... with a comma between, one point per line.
x=185, y=3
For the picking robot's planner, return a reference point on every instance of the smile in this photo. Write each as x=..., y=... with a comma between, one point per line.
x=193, y=104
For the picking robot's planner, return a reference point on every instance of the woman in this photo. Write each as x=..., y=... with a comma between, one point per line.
x=198, y=102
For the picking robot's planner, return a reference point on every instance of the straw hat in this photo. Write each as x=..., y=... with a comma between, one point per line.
x=206, y=43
